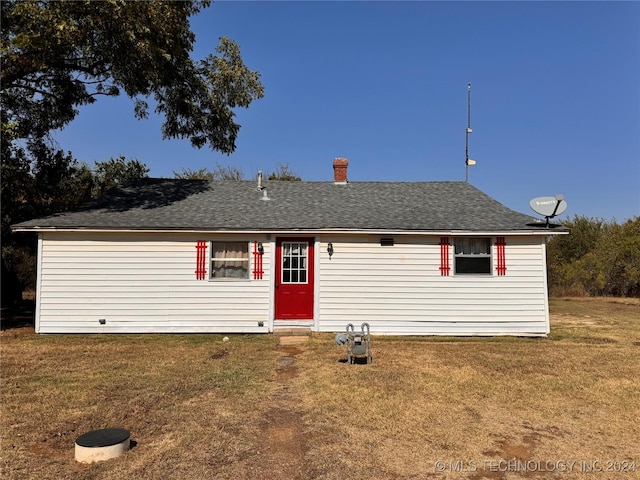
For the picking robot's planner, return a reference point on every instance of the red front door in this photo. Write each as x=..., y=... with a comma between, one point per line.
x=294, y=279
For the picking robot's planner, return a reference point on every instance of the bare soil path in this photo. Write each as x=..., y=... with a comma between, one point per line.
x=283, y=443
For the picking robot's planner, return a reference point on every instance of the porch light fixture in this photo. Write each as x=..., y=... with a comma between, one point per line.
x=260, y=248
x=330, y=249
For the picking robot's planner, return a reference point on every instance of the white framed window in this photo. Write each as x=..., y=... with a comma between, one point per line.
x=472, y=255
x=294, y=262
x=229, y=260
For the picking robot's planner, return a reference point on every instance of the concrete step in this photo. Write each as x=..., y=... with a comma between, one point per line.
x=291, y=332
x=293, y=340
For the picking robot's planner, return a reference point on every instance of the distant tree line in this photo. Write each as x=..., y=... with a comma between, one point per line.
x=598, y=258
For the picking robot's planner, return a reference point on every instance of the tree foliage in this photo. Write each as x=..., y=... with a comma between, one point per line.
x=188, y=174
x=56, y=56
x=597, y=258
x=226, y=172
x=46, y=182
x=53, y=181
x=114, y=172
x=221, y=172
x=59, y=55
x=284, y=173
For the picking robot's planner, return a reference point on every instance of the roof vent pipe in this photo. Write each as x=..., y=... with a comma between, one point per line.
x=264, y=194
x=260, y=187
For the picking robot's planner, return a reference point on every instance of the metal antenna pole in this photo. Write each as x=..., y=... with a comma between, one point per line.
x=468, y=131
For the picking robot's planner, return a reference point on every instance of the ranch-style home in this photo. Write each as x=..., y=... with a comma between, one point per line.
x=409, y=258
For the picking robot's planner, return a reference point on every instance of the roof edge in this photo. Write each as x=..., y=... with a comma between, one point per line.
x=523, y=232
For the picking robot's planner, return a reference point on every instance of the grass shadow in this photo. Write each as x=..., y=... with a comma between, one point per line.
x=356, y=361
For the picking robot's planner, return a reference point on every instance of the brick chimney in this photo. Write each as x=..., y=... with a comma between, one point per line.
x=340, y=170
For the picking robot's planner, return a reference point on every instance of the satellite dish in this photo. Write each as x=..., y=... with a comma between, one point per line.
x=549, y=207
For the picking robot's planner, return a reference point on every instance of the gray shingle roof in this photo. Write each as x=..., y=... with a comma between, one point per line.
x=168, y=204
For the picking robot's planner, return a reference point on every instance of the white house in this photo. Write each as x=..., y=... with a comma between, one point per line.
x=409, y=258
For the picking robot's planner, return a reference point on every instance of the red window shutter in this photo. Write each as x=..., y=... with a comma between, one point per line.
x=444, y=257
x=201, y=260
x=257, y=262
x=501, y=264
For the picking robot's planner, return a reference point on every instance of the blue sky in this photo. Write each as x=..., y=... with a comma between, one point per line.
x=555, y=99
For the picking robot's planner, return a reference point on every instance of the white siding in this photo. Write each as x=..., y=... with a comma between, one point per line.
x=399, y=290
x=143, y=283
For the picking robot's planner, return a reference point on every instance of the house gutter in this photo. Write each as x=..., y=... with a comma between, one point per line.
x=532, y=232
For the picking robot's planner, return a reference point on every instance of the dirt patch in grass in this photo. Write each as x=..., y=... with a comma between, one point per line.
x=220, y=353
x=282, y=437
x=198, y=407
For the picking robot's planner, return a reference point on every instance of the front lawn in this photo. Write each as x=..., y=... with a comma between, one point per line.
x=198, y=407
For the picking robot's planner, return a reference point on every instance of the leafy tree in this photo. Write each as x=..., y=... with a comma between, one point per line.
x=57, y=56
x=221, y=172
x=15, y=191
x=16, y=187
x=284, y=172
x=617, y=259
x=60, y=182
x=585, y=233
x=116, y=171
x=227, y=172
x=597, y=258
x=187, y=174
x=566, y=266
x=53, y=182
x=37, y=183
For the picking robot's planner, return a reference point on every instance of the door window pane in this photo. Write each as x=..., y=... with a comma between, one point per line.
x=294, y=262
